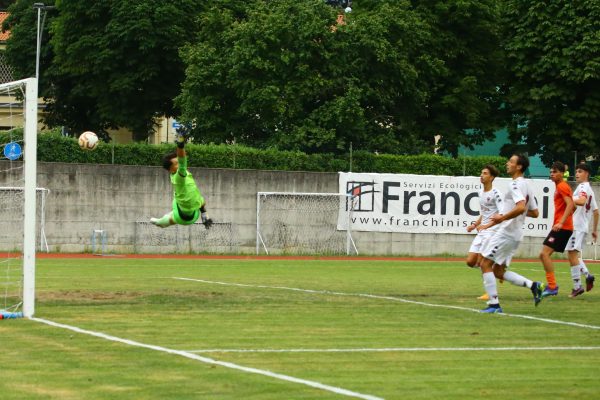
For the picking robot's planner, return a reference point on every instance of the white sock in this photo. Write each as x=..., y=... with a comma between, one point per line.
x=489, y=284
x=517, y=279
x=583, y=268
x=576, y=276
x=164, y=221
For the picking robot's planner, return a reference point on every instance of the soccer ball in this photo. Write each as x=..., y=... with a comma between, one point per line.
x=88, y=140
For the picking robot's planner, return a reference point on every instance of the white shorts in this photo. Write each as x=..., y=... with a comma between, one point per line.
x=480, y=240
x=576, y=241
x=500, y=249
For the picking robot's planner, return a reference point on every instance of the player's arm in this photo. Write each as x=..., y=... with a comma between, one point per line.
x=181, y=136
x=182, y=160
x=595, y=227
x=474, y=224
x=569, y=207
x=532, y=208
x=517, y=210
x=580, y=199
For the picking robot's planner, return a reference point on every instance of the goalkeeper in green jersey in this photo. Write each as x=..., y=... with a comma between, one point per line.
x=188, y=203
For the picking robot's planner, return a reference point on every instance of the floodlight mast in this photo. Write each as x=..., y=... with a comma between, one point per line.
x=40, y=27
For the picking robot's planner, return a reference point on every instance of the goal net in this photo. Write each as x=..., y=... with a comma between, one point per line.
x=221, y=238
x=18, y=197
x=304, y=224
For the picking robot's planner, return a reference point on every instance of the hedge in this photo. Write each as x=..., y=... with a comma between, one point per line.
x=53, y=147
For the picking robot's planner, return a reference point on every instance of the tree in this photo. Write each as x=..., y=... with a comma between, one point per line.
x=22, y=42
x=4, y=4
x=466, y=92
x=553, y=50
x=114, y=63
x=390, y=79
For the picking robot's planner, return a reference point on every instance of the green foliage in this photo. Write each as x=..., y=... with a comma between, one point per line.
x=394, y=75
x=21, y=45
x=4, y=4
x=553, y=50
x=53, y=147
x=109, y=63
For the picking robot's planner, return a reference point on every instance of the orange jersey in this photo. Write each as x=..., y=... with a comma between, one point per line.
x=562, y=190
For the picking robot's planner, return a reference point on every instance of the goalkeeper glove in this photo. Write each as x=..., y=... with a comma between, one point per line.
x=182, y=134
x=206, y=221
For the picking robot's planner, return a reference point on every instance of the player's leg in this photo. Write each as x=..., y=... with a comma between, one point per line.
x=165, y=221
x=555, y=241
x=489, y=254
x=472, y=259
x=485, y=296
x=589, y=278
x=573, y=252
x=583, y=270
x=475, y=250
x=575, y=273
x=489, y=284
x=505, y=249
x=546, y=258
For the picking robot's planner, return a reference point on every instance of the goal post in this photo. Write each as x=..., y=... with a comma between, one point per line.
x=19, y=109
x=304, y=223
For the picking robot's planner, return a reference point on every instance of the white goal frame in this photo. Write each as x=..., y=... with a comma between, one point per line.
x=343, y=224
x=30, y=108
x=43, y=194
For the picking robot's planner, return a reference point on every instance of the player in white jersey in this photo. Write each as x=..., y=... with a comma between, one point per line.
x=499, y=250
x=490, y=203
x=585, y=200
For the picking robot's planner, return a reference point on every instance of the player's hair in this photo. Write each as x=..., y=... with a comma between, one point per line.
x=167, y=160
x=523, y=161
x=584, y=167
x=493, y=170
x=557, y=165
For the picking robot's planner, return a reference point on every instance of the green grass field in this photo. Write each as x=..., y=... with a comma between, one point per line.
x=362, y=329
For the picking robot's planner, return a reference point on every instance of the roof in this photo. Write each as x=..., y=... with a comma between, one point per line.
x=3, y=35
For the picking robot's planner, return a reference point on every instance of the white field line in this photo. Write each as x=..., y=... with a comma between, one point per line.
x=398, y=349
x=398, y=299
x=207, y=360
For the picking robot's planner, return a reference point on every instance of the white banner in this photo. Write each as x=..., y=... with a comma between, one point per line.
x=430, y=204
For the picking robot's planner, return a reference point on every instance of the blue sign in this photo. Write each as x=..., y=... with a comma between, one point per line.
x=12, y=151
x=176, y=124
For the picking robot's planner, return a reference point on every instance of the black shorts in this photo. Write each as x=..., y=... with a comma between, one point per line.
x=557, y=240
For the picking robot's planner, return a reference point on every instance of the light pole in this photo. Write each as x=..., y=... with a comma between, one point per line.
x=40, y=27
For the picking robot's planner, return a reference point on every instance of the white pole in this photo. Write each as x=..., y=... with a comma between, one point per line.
x=257, y=223
x=348, y=222
x=29, y=208
x=39, y=45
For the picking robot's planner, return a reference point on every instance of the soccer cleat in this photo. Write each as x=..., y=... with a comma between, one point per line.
x=589, y=282
x=492, y=309
x=576, y=292
x=484, y=297
x=549, y=292
x=156, y=221
x=536, y=290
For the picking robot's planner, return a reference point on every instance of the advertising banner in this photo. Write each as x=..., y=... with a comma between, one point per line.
x=430, y=204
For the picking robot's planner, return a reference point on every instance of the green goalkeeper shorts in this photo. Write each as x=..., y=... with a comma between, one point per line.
x=182, y=217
